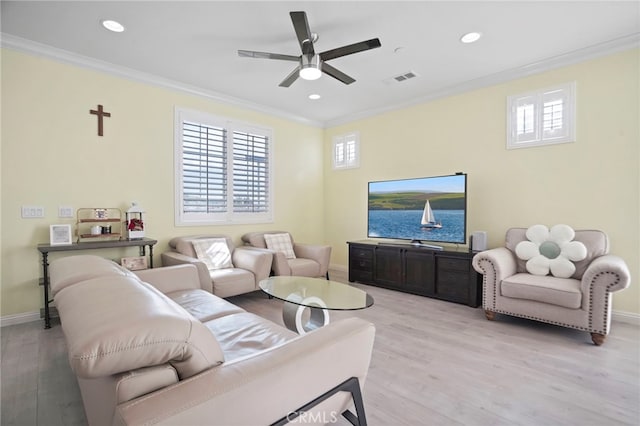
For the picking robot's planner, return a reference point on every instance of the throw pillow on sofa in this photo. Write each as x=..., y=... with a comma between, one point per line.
x=280, y=242
x=214, y=252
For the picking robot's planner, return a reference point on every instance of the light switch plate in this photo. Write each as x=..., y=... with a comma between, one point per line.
x=32, y=212
x=65, y=211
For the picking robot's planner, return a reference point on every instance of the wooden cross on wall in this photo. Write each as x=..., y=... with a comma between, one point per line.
x=100, y=113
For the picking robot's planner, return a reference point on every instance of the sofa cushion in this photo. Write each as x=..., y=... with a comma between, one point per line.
x=214, y=252
x=229, y=282
x=114, y=324
x=203, y=305
x=563, y=292
x=244, y=334
x=280, y=242
x=70, y=270
x=304, y=267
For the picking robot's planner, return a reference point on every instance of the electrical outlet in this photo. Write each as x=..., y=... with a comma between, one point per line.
x=32, y=212
x=65, y=211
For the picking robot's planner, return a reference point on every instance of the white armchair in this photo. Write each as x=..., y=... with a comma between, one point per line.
x=242, y=275
x=305, y=260
x=582, y=301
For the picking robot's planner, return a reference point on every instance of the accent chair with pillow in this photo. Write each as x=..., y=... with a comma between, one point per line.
x=224, y=270
x=289, y=257
x=558, y=276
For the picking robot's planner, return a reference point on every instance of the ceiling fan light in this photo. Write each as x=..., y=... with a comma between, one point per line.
x=310, y=73
x=310, y=67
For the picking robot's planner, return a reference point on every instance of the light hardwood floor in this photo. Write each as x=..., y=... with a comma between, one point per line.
x=434, y=363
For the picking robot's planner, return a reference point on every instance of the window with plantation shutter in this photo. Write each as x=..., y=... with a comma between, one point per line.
x=223, y=171
x=541, y=118
x=346, y=151
x=250, y=173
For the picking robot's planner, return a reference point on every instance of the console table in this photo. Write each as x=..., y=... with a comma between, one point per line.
x=442, y=274
x=45, y=249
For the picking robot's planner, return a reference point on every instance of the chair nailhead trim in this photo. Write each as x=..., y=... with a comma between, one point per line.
x=590, y=327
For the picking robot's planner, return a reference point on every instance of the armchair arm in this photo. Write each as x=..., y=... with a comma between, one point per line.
x=280, y=264
x=256, y=261
x=320, y=254
x=604, y=275
x=170, y=258
x=494, y=265
x=608, y=271
x=277, y=381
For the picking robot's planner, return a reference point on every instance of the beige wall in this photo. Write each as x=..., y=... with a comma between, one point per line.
x=590, y=184
x=51, y=156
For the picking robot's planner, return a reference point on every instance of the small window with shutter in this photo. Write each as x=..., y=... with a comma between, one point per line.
x=223, y=171
x=542, y=117
x=346, y=151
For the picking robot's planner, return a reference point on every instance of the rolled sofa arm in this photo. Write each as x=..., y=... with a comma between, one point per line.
x=494, y=265
x=499, y=262
x=604, y=275
x=275, y=382
x=608, y=271
x=170, y=258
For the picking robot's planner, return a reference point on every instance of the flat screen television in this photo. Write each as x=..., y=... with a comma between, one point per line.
x=427, y=209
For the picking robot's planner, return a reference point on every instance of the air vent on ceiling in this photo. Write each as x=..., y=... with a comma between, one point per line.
x=404, y=77
x=401, y=78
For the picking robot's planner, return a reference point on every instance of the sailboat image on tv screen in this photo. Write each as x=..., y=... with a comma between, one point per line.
x=428, y=218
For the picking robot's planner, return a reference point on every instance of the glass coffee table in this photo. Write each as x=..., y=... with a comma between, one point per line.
x=316, y=294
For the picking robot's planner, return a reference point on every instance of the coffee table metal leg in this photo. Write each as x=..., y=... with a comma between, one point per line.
x=292, y=315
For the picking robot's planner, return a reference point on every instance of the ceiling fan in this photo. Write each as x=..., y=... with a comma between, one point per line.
x=311, y=65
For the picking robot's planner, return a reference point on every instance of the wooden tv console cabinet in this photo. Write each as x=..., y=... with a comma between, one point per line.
x=442, y=274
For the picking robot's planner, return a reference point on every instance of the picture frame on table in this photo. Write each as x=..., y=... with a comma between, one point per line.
x=136, y=263
x=60, y=235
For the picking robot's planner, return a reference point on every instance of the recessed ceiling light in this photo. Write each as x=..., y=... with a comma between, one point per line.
x=114, y=26
x=314, y=96
x=470, y=37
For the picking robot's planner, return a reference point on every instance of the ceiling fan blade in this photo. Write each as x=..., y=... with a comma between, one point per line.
x=301, y=25
x=288, y=81
x=337, y=74
x=350, y=49
x=265, y=55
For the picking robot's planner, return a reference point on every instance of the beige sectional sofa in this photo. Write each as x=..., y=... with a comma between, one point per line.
x=155, y=348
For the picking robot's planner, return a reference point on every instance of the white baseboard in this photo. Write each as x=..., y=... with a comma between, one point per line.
x=626, y=317
x=338, y=268
x=19, y=318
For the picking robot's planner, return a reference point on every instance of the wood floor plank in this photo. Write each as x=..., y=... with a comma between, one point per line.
x=434, y=363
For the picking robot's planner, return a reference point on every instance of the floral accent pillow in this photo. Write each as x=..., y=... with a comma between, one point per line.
x=551, y=251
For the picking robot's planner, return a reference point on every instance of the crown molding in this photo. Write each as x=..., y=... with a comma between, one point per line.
x=602, y=49
x=60, y=55
x=569, y=58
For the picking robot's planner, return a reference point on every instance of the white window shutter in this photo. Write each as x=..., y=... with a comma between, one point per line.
x=346, y=151
x=542, y=117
